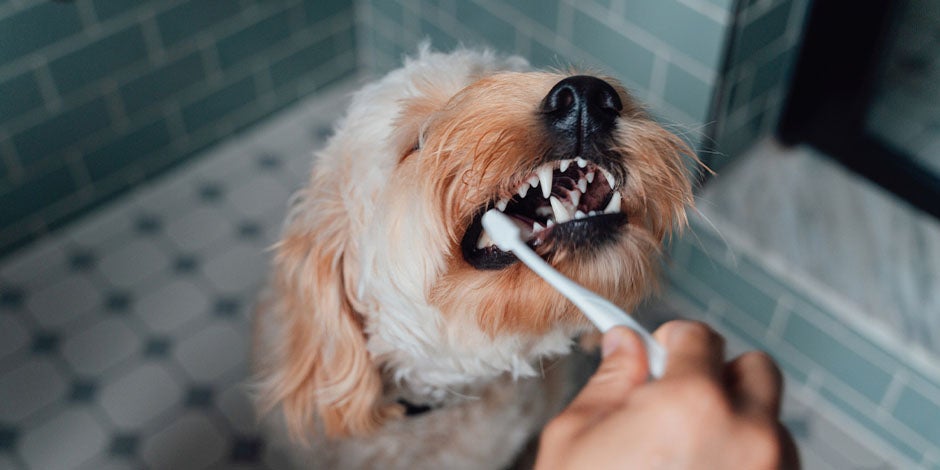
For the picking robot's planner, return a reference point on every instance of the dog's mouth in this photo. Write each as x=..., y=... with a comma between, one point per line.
x=569, y=204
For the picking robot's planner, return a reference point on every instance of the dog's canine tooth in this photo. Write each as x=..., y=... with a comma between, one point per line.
x=523, y=189
x=534, y=181
x=501, y=204
x=561, y=213
x=610, y=178
x=590, y=176
x=581, y=162
x=579, y=215
x=563, y=166
x=484, y=241
x=536, y=227
x=575, y=197
x=582, y=184
x=545, y=179
x=549, y=223
x=613, y=206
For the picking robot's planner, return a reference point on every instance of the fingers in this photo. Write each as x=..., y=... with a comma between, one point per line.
x=692, y=349
x=623, y=368
x=755, y=384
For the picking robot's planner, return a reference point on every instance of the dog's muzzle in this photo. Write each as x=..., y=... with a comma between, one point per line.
x=571, y=200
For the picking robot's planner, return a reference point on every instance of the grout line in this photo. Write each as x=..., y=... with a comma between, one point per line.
x=152, y=38
x=779, y=319
x=658, y=77
x=89, y=19
x=47, y=87
x=892, y=394
x=709, y=10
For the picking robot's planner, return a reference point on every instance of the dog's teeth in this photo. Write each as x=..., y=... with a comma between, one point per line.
x=549, y=223
x=534, y=181
x=592, y=213
x=590, y=176
x=582, y=184
x=575, y=197
x=545, y=179
x=484, y=241
x=561, y=214
x=523, y=189
x=536, y=227
x=610, y=178
x=581, y=162
x=579, y=215
x=564, y=165
x=613, y=206
x=544, y=211
x=501, y=204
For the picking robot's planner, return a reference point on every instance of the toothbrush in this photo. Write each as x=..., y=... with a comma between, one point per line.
x=600, y=311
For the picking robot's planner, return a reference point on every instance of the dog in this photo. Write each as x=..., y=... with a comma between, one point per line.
x=393, y=332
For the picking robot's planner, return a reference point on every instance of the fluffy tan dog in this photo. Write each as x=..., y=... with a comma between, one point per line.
x=388, y=297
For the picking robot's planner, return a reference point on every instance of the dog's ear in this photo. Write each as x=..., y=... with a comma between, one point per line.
x=314, y=360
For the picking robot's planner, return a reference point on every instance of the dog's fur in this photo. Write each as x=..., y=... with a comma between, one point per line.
x=371, y=300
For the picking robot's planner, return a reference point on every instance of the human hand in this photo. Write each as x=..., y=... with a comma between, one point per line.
x=703, y=412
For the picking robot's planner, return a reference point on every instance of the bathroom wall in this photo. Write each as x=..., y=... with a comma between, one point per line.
x=97, y=96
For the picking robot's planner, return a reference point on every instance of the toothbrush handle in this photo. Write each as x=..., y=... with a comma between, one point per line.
x=600, y=311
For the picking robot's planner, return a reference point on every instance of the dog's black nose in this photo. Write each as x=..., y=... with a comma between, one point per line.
x=581, y=106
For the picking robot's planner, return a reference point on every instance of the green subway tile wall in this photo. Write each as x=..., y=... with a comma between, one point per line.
x=99, y=95
x=889, y=403
x=668, y=52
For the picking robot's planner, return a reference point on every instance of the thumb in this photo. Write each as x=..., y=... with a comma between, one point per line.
x=623, y=368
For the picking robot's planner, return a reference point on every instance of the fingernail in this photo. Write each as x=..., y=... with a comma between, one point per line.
x=616, y=339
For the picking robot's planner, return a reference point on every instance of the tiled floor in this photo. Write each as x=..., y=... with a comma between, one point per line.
x=124, y=339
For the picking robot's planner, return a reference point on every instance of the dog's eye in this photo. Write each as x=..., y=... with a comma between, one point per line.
x=416, y=146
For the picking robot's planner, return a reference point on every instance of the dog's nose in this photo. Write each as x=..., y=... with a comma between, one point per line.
x=581, y=106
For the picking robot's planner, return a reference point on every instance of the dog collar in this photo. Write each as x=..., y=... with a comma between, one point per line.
x=412, y=409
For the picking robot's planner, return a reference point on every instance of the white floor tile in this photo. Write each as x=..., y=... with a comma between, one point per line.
x=63, y=301
x=238, y=408
x=198, y=228
x=64, y=442
x=134, y=262
x=260, y=195
x=212, y=352
x=140, y=395
x=29, y=387
x=13, y=335
x=238, y=269
x=190, y=442
x=94, y=349
x=170, y=306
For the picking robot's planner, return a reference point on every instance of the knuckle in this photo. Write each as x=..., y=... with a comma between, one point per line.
x=692, y=331
x=763, y=361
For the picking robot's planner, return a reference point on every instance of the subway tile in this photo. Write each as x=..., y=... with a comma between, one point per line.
x=107, y=9
x=162, y=82
x=835, y=357
x=919, y=413
x=253, y=40
x=35, y=194
x=542, y=56
x=629, y=60
x=218, y=104
x=498, y=33
x=98, y=59
x=190, y=18
x=302, y=62
x=61, y=131
x=20, y=94
x=772, y=73
x=319, y=10
x=544, y=12
x=128, y=150
x=389, y=10
x=865, y=417
x=762, y=31
x=732, y=286
x=687, y=92
x=41, y=25
x=440, y=40
x=683, y=28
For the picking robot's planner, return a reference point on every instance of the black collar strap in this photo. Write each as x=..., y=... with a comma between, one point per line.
x=412, y=409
